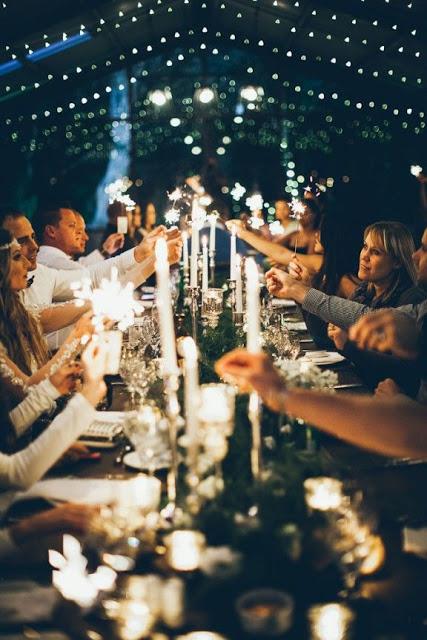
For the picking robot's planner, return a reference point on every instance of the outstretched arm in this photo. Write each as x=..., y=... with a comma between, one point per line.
x=389, y=426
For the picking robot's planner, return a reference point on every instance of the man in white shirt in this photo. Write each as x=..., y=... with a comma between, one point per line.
x=62, y=234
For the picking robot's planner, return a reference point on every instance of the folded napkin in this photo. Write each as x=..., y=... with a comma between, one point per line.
x=415, y=541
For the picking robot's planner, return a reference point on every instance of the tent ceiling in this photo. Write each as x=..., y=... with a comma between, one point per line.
x=372, y=35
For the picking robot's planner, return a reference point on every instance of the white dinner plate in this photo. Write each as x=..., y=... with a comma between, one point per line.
x=279, y=302
x=296, y=326
x=323, y=357
x=132, y=461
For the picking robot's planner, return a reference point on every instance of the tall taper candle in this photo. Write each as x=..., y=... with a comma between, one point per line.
x=212, y=233
x=185, y=251
x=233, y=253
x=194, y=249
x=164, y=306
x=191, y=397
x=205, y=271
x=239, y=292
x=252, y=306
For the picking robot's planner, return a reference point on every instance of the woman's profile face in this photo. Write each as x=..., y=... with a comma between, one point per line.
x=19, y=267
x=375, y=265
x=150, y=215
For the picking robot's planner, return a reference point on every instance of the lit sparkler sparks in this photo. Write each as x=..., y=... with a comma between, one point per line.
x=416, y=170
x=111, y=301
x=298, y=209
x=276, y=228
x=255, y=202
x=116, y=192
x=172, y=216
x=238, y=191
x=256, y=223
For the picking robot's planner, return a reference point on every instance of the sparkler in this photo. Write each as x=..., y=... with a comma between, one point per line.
x=172, y=216
x=116, y=192
x=238, y=191
x=111, y=301
x=255, y=202
x=298, y=210
x=276, y=228
x=256, y=223
x=416, y=170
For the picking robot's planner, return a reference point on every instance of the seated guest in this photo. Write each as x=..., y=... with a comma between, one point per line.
x=109, y=247
x=24, y=358
x=22, y=469
x=304, y=239
x=60, y=241
x=343, y=313
x=145, y=223
x=116, y=210
x=336, y=276
x=283, y=215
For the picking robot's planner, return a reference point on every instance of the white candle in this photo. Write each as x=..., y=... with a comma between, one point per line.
x=212, y=233
x=191, y=396
x=185, y=260
x=184, y=549
x=252, y=307
x=239, y=291
x=164, y=306
x=113, y=347
x=122, y=224
x=233, y=253
x=194, y=245
x=205, y=264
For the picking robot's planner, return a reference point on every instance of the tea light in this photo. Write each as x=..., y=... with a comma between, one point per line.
x=122, y=224
x=330, y=621
x=323, y=493
x=266, y=611
x=217, y=404
x=201, y=635
x=184, y=549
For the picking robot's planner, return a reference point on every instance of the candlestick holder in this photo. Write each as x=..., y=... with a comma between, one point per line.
x=194, y=309
x=212, y=267
x=238, y=319
x=232, y=288
x=171, y=386
x=254, y=414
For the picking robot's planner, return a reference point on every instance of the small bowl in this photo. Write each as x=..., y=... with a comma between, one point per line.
x=265, y=612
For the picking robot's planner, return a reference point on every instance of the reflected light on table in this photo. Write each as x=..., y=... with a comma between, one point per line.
x=330, y=622
x=323, y=493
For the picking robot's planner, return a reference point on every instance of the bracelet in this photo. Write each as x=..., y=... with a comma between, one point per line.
x=104, y=253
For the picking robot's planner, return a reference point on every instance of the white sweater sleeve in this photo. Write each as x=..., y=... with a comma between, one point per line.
x=40, y=398
x=101, y=270
x=24, y=468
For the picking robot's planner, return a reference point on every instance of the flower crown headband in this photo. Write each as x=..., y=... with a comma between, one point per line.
x=8, y=245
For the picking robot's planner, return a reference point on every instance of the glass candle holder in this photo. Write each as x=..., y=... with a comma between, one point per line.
x=184, y=549
x=331, y=621
x=217, y=407
x=212, y=303
x=323, y=494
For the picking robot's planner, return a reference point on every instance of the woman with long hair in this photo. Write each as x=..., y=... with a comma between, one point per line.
x=24, y=358
x=336, y=275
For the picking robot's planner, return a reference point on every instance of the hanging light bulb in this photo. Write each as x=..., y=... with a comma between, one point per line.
x=205, y=95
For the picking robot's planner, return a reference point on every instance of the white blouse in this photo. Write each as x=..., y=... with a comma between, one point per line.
x=23, y=469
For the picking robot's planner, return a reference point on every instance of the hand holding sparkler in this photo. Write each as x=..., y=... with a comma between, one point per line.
x=282, y=285
x=174, y=245
x=145, y=249
x=298, y=271
x=237, y=224
x=113, y=243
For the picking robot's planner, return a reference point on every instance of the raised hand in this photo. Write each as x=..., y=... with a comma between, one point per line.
x=298, y=271
x=338, y=336
x=145, y=249
x=113, y=243
x=387, y=330
x=65, y=378
x=387, y=389
x=253, y=371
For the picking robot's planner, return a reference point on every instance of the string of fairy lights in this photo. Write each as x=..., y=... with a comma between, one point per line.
x=139, y=13
x=367, y=103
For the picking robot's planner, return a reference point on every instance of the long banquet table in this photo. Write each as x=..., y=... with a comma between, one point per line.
x=394, y=601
